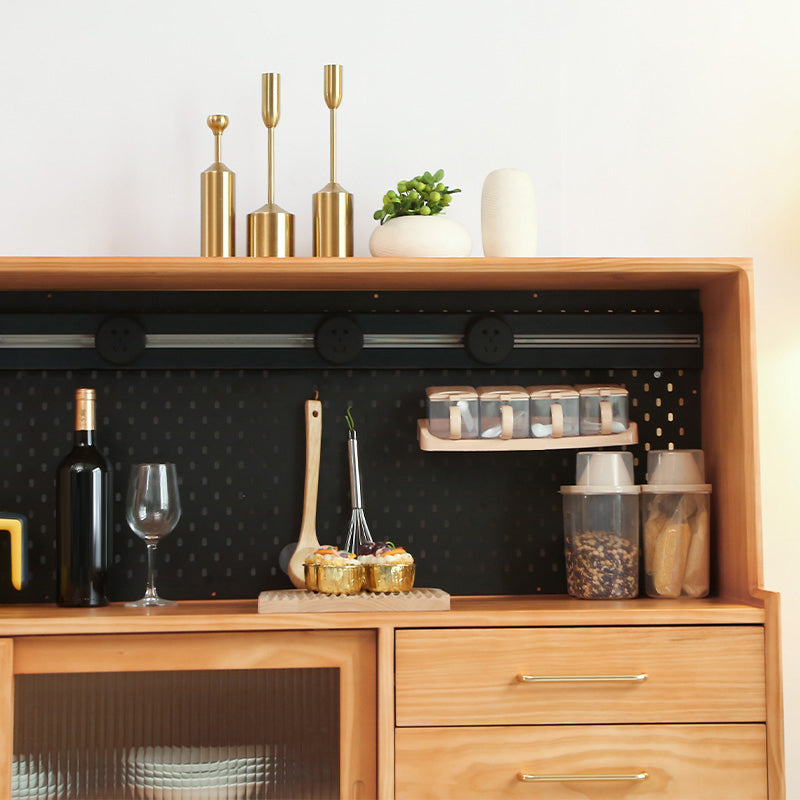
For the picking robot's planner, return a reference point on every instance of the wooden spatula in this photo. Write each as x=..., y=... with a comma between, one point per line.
x=308, y=542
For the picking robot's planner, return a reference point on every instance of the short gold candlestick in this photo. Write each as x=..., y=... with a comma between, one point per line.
x=217, y=199
x=333, y=206
x=270, y=229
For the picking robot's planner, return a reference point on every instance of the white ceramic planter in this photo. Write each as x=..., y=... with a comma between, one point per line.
x=508, y=214
x=423, y=237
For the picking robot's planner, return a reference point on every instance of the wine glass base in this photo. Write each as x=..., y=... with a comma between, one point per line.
x=150, y=601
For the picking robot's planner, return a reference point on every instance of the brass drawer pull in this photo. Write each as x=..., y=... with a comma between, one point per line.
x=582, y=678
x=640, y=776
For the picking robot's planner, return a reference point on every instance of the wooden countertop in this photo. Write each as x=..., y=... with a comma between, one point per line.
x=242, y=615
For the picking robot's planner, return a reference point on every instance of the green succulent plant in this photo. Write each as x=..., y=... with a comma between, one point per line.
x=423, y=196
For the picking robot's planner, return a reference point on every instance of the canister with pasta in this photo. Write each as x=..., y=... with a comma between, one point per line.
x=675, y=524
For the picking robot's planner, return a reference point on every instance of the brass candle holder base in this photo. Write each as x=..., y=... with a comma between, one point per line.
x=332, y=205
x=333, y=222
x=217, y=203
x=270, y=232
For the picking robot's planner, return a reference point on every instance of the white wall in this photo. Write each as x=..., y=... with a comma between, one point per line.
x=649, y=128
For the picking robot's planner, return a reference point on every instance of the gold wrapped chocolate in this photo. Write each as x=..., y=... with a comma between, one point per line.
x=389, y=577
x=347, y=579
x=311, y=576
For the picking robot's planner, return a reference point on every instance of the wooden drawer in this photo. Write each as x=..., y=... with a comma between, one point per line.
x=682, y=762
x=472, y=676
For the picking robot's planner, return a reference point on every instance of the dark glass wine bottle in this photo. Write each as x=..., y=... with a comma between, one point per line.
x=83, y=515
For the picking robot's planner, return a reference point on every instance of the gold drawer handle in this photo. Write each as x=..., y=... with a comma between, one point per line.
x=582, y=678
x=639, y=776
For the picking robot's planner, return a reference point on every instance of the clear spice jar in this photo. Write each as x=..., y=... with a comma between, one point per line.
x=554, y=411
x=504, y=412
x=601, y=528
x=453, y=412
x=603, y=410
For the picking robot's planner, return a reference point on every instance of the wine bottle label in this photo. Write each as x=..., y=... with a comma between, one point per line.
x=84, y=410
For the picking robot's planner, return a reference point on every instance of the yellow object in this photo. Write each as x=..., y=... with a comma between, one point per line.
x=333, y=205
x=217, y=199
x=16, y=528
x=389, y=577
x=270, y=229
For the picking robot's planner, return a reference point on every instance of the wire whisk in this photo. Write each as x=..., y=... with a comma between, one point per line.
x=358, y=532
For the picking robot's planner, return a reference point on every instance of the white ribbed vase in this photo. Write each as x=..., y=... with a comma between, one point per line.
x=418, y=236
x=508, y=214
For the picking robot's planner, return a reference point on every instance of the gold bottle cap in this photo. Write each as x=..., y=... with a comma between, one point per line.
x=84, y=410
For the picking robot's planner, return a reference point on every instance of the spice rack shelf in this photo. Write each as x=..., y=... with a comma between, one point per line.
x=431, y=443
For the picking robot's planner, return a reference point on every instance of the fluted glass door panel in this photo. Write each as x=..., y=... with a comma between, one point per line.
x=177, y=735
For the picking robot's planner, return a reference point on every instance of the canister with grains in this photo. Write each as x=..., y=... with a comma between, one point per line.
x=601, y=528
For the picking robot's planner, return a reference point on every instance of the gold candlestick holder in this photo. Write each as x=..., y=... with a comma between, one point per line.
x=217, y=199
x=333, y=206
x=270, y=229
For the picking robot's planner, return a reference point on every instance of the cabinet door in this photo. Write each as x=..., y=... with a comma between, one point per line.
x=201, y=716
x=590, y=762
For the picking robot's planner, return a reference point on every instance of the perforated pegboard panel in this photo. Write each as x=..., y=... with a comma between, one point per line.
x=477, y=523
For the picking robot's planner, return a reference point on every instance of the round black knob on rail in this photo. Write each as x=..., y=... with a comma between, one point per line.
x=120, y=340
x=339, y=340
x=489, y=340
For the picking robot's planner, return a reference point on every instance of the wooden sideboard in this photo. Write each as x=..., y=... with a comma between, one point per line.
x=677, y=698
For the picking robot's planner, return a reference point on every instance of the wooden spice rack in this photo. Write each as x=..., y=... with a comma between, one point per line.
x=429, y=442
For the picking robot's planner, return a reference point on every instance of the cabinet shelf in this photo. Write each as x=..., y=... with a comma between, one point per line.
x=431, y=443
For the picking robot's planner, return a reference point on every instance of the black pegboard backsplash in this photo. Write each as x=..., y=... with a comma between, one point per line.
x=477, y=523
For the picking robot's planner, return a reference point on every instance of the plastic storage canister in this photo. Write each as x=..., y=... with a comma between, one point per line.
x=453, y=412
x=601, y=528
x=504, y=411
x=603, y=410
x=554, y=411
x=675, y=524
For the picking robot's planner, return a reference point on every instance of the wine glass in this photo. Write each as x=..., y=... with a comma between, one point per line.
x=152, y=508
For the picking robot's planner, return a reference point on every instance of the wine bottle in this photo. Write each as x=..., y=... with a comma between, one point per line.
x=83, y=514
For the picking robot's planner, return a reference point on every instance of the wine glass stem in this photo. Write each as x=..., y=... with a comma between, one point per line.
x=150, y=590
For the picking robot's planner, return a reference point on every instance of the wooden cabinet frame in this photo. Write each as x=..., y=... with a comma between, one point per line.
x=725, y=288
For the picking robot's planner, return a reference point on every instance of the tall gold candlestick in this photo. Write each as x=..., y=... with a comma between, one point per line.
x=332, y=205
x=217, y=199
x=270, y=229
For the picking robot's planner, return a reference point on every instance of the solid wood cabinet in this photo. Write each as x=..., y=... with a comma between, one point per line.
x=705, y=722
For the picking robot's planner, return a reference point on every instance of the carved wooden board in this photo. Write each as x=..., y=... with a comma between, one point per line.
x=285, y=601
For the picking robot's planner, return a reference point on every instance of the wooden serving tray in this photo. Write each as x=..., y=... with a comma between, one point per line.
x=284, y=601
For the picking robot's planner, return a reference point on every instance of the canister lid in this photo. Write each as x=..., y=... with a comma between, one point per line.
x=607, y=472
x=551, y=392
x=600, y=489
x=502, y=393
x=676, y=467
x=676, y=488
x=605, y=390
x=451, y=393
